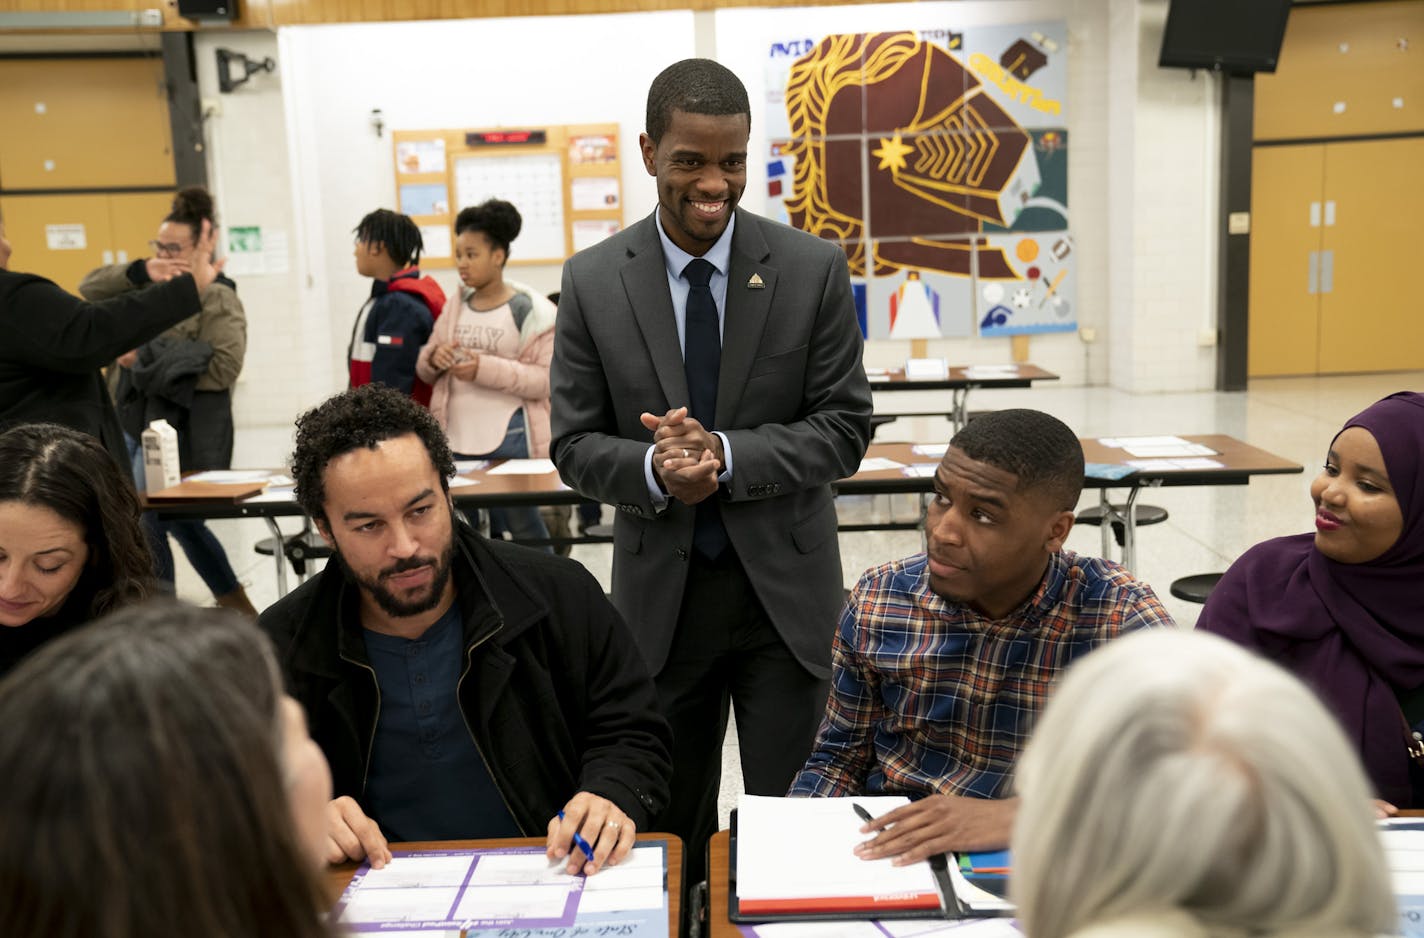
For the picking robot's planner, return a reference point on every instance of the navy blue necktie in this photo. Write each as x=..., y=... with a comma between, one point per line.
x=702, y=360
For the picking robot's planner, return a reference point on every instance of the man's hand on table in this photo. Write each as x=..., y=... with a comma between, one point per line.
x=351, y=835
x=936, y=824
x=601, y=824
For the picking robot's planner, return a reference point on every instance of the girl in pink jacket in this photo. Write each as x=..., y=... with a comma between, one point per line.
x=488, y=358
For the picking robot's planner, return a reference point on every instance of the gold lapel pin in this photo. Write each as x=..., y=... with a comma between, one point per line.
x=756, y=283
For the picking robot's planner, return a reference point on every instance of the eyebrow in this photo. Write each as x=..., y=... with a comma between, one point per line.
x=358, y=515
x=978, y=495
x=54, y=550
x=1361, y=467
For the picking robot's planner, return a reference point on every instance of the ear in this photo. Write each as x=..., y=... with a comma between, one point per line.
x=650, y=151
x=1058, y=529
x=324, y=530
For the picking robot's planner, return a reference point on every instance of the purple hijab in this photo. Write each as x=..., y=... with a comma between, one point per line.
x=1354, y=632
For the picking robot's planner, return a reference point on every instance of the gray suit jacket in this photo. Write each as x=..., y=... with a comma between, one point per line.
x=792, y=398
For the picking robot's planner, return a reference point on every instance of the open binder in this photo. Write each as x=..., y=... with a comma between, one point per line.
x=797, y=837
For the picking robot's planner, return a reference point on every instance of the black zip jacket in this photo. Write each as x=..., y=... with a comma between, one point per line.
x=553, y=689
x=56, y=343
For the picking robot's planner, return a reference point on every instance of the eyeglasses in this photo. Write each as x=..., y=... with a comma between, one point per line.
x=167, y=250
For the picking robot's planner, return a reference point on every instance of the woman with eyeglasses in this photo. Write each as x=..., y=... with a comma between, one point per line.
x=184, y=376
x=54, y=344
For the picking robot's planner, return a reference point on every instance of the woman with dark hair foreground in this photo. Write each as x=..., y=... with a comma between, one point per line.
x=158, y=782
x=71, y=548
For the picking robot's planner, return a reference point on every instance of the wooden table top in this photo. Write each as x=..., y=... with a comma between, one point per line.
x=1239, y=461
x=339, y=876
x=959, y=377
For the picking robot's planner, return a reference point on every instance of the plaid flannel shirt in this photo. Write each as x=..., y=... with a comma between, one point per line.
x=928, y=696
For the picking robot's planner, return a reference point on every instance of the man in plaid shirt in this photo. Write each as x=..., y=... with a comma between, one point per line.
x=943, y=661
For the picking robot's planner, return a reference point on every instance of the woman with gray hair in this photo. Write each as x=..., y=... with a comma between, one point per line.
x=1180, y=786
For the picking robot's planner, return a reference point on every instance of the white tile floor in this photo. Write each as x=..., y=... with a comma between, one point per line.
x=1206, y=530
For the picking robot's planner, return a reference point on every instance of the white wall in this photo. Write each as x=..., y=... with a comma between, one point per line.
x=295, y=151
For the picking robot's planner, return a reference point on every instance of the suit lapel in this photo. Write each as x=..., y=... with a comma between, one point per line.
x=746, y=313
x=645, y=281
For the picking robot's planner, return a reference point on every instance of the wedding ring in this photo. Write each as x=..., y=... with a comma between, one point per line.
x=614, y=824
x=684, y=454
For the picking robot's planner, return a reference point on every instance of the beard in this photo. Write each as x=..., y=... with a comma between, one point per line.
x=390, y=603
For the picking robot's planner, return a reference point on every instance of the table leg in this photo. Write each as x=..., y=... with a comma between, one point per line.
x=280, y=554
x=1105, y=527
x=958, y=409
x=1129, y=530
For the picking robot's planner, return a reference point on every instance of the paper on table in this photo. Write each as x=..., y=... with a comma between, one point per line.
x=1168, y=450
x=926, y=369
x=921, y=470
x=803, y=848
x=471, y=465
x=1173, y=464
x=524, y=467
x=991, y=371
x=456, y=482
x=962, y=928
x=239, y=476
x=1118, y=441
x=980, y=900
x=929, y=449
x=877, y=463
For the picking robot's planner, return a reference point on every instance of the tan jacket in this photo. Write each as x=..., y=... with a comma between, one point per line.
x=222, y=323
x=525, y=377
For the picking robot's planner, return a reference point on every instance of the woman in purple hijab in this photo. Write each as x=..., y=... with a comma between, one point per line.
x=1343, y=608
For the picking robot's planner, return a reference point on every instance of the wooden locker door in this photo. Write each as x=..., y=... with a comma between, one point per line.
x=84, y=124
x=134, y=220
x=1372, y=315
x=35, y=222
x=1286, y=181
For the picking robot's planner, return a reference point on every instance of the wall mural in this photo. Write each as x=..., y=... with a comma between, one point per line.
x=939, y=161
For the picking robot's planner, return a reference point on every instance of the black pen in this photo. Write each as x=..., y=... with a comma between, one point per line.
x=864, y=814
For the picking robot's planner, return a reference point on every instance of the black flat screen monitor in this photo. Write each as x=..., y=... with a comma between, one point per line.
x=1238, y=37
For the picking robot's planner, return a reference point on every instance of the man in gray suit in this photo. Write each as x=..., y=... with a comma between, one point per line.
x=707, y=380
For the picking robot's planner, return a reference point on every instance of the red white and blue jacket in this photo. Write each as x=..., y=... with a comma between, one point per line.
x=390, y=330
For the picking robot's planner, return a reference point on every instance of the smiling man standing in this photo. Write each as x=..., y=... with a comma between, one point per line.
x=707, y=381
x=944, y=660
x=460, y=687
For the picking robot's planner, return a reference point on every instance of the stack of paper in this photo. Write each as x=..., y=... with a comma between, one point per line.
x=797, y=855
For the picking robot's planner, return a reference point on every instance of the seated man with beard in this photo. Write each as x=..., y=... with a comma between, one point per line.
x=460, y=687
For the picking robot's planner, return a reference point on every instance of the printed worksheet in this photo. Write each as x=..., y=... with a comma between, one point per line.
x=486, y=892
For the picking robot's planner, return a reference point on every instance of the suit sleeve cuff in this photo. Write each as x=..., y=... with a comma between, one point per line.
x=655, y=493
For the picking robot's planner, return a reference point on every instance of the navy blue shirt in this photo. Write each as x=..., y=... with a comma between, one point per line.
x=428, y=781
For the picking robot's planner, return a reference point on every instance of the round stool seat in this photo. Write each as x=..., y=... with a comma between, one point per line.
x=1146, y=514
x=298, y=548
x=1195, y=589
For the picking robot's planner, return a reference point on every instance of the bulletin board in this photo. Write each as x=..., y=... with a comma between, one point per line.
x=566, y=181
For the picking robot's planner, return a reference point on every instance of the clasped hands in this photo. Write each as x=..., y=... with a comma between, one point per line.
x=687, y=459
x=607, y=831
x=461, y=363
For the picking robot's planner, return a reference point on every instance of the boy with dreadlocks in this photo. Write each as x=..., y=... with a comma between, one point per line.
x=396, y=321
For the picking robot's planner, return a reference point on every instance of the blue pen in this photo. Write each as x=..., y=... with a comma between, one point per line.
x=579, y=841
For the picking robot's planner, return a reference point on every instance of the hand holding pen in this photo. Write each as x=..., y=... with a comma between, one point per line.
x=592, y=832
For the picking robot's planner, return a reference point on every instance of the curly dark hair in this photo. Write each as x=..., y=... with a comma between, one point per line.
x=496, y=219
x=1038, y=448
x=397, y=233
x=356, y=418
x=73, y=475
x=192, y=206
x=694, y=86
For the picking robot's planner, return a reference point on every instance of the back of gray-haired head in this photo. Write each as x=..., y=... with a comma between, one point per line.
x=1173, y=772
